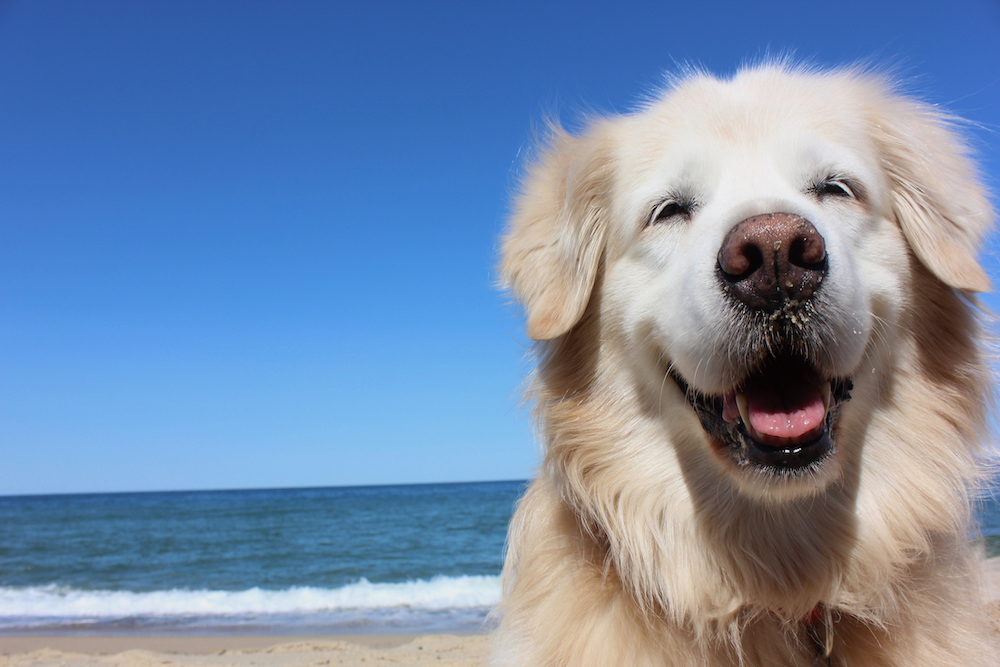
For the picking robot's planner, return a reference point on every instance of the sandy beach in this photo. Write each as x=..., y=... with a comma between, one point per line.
x=243, y=651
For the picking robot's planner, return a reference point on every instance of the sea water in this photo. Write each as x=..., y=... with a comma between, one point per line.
x=423, y=558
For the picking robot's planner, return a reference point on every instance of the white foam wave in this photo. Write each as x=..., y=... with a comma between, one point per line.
x=439, y=593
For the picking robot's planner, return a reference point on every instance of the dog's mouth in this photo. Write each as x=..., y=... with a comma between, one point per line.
x=781, y=418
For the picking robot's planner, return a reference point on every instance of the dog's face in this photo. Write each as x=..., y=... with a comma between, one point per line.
x=752, y=244
x=757, y=250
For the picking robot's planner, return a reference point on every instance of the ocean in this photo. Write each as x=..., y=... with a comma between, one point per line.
x=386, y=559
x=423, y=558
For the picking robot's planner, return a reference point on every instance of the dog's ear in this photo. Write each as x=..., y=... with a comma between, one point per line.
x=937, y=197
x=555, y=239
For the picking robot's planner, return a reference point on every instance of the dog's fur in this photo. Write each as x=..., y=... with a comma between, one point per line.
x=646, y=541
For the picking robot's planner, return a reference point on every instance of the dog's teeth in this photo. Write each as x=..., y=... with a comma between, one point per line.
x=825, y=392
x=741, y=403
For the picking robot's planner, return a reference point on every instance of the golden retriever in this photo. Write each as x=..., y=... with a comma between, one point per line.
x=760, y=382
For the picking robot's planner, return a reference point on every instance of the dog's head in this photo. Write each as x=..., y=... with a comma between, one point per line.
x=751, y=241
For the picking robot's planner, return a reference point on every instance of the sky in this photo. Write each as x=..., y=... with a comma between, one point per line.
x=252, y=244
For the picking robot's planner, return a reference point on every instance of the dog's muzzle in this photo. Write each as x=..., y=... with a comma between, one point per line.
x=781, y=415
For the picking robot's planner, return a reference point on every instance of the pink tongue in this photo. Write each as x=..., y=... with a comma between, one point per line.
x=785, y=410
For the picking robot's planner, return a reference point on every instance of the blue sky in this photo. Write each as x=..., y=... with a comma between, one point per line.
x=251, y=244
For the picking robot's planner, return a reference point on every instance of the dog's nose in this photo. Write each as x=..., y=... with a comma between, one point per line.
x=769, y=259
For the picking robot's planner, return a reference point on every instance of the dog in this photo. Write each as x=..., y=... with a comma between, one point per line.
x=761, y=381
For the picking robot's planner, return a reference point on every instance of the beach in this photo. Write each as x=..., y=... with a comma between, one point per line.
x=244, y=651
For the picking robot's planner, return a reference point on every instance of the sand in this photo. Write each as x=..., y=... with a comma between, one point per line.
x=244, y=651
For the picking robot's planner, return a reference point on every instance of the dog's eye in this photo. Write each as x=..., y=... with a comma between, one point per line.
x=669, y=209
x=834, y=187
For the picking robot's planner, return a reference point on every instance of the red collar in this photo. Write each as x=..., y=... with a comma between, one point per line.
x=819, y=627
x=815, y=617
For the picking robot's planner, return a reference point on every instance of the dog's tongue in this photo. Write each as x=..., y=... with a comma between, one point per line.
x=785, y=405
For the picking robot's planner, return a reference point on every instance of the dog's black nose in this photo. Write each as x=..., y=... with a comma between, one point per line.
x=770, y=259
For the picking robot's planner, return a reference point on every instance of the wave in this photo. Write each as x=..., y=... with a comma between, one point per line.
x=437, y=594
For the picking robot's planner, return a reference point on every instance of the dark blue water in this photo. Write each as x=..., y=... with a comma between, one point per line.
x=393, y=558
x=423, y=558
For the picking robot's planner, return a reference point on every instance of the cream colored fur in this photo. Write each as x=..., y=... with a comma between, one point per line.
x=637, y=544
